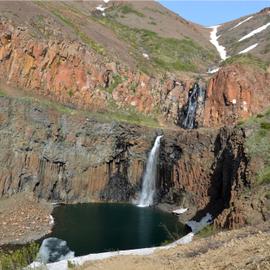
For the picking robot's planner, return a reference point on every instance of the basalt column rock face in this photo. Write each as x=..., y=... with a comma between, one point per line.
x=73, y=74
x=186, y=165
x=66, y=158
x=209, y=172
x=235, y=93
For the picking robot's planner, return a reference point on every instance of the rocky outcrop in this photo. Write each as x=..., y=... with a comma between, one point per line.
x=73, y=74
x=60, y=158
x=235, y=93
x=65, y=158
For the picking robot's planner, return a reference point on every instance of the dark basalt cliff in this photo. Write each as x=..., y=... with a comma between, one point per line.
x=65, y=158
x=82, y=65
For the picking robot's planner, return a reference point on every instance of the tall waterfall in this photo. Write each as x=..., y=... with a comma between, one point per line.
x=149, y=178
x=195, y=97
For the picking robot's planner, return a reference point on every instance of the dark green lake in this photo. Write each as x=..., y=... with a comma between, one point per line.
x=98, y=227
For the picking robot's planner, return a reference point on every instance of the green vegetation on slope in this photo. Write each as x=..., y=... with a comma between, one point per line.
x=207, y=231
x=19, y=258
x=127, y=9
x=247, y=59
x=2, y=94
x=76, y=29
x=165, y=53
x=258, y=144
x=85, y=38
x=112, y=114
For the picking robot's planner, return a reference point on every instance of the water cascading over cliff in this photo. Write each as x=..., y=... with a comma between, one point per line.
x=149, y=178
x=196, y=98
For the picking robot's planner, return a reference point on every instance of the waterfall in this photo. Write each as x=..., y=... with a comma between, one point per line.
x=149, y=178
x=195, y=97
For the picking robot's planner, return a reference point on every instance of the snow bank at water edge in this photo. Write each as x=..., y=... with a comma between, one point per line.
x=53, y=249
x=214, y=40
x=180, y=211
x=254, y=32
x=246, y=20
x=51, y=222
x=249, y=48
x=63, y=265
x=197, y=226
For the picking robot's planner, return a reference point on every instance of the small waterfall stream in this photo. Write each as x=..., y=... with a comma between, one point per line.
x=149, y=178
x=195, y=97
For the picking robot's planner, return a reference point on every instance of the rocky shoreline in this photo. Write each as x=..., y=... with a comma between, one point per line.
x=23, y=219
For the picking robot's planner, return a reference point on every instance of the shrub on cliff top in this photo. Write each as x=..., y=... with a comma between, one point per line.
x=247, y=59
x=126, y=9
x=258, y=146
x=17, y=259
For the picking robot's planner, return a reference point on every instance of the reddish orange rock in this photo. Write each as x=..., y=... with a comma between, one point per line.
x=235, y=92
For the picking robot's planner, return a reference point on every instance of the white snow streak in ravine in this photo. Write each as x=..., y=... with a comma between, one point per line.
x=254, y=32
x=214, y=40
x=249, y=48
x=247, y=19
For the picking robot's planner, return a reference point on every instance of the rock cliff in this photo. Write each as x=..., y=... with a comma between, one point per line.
x=235, y=93
x=72, y=74
x=69, y=54
x=65, y=158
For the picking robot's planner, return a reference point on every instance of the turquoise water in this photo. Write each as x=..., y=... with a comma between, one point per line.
x=98, y=227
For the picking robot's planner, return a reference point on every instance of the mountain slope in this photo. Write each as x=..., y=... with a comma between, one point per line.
x=128, y=31
x=249, y=34
x=133, y=59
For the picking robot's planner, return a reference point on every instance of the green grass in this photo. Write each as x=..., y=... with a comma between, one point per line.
x=127, y=9
x=264, y=175
x=166, y=54
x=133, y=86
x=17, y=259
x=2, y=94
x=71, y=265
x=116, y=80
x=257, y=144
x=83, y=36
x=111, y=114
x=127, y=116
x=207, y=231
x=247, y=59
x=48, y=104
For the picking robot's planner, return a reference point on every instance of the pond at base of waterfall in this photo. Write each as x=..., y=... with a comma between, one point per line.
x=98, y=227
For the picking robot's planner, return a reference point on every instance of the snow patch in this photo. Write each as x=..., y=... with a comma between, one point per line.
x=53, y=249
x=51, y=222
x=254, y=32
x=247, y=19
x=234, y=101
x=106, y=1
x=145, y=55
x=180, y=211
x=244, y=106
x=196, y=226
x=213, y=70
x=249, y=48
x=100, y=8
x=214, y=40
x=186, y=239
